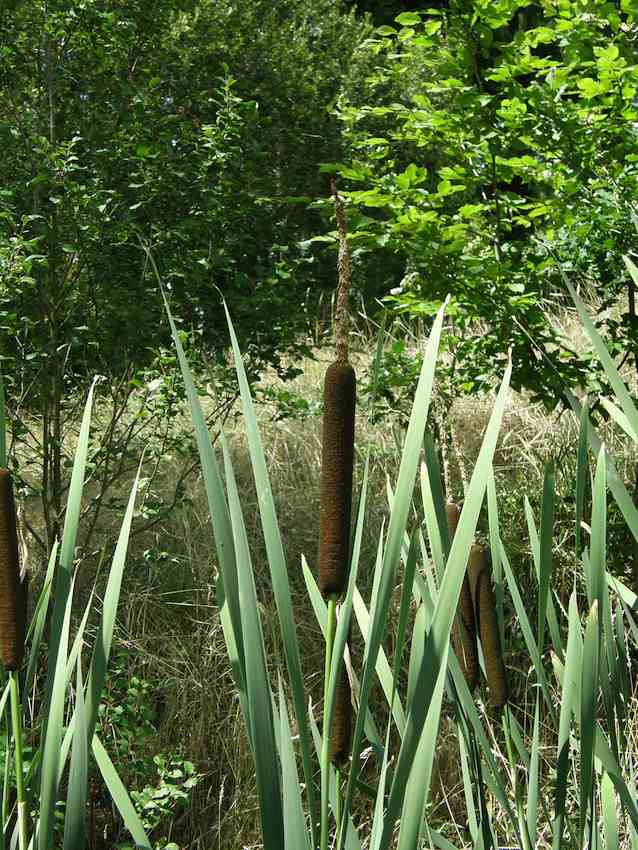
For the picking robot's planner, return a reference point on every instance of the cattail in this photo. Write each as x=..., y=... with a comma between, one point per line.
x=12, y=590
x=464, y=627
x=341, y=731
x=336, y=478
x=485, y=611
x=337, y=457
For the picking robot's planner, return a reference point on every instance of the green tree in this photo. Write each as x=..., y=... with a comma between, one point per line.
x=493, y=146
x=181, y=127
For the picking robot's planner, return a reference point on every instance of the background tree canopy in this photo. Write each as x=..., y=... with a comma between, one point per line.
x=485, y=146
x=493, y=145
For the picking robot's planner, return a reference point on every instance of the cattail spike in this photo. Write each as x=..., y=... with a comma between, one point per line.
x=341, y=731
x=464, y=627
x=336, y=478
x=12, y=597
x=480, y=573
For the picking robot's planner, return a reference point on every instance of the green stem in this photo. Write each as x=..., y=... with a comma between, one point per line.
x=522, y=823
x=338, y=802
x=19, y=768
x=325, y=745
x=7, y=773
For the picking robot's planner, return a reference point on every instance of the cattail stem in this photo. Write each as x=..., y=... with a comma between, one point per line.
x=343, y=267
x=7, y=774
x=325, y=744
x=338, y=802
x=16, y=720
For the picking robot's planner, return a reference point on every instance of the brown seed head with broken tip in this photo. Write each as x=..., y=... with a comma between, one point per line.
x=464, y=627
x=480, y=575
x=341, y=731
x=337, y=460
x=12, y=590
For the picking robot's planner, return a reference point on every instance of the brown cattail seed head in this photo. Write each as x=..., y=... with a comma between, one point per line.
x=341, y=731
x=480, y=574
x=12, y=602
x=464, y=627
x=337, y=461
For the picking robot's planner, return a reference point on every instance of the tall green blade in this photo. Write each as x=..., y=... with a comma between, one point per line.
x=217, y=508
x=53, y=733
x=296, y=834
x=582, y=470
x=613, y=376
x=571, y=683
x=534, y=775
x=67, y=549
x=418, y=785
x=545, y=550
x=262, y=732
x=119, y=795
x=610, y=814
x=277, y=565
x=75, y=814
x=438, y=638
x=102, y=649
x=396, y=528
x=589, y=694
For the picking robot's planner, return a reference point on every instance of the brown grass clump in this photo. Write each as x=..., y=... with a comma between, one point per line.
x=480, y=574
x=12, y=590
x=341, y=731
x=464, y=627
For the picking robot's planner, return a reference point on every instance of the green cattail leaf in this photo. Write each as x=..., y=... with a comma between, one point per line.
x=296, y=833
x=582, y=471
x=351, y=838
x=67, y=548
x=613, y=376
x=320, y=610
x=39, y=618
x=120, y=795
x=417, y=646
x=495, y=551
x=436, y=651
x=104, y=640
x=619, y=417
x=75, y=813
x=418, y=784
x=471, y=805
x=377, y=818
x=383, y=669
x=554, y=628
x=532, y=646
x=260, y=720
x=616, y=485
x=434, y=507
x=398, y=518
x=277, y=565
x=53, y=734
x=570, y=685
x=404, y=611
x=494, y=777
x=545, y=550
x=218, y=512
x=610, y=813
x=589, y=694
x=597, y=549
x=534, y=775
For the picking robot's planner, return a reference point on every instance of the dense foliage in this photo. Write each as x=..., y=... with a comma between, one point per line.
x=494, y=144
x=185, y=126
